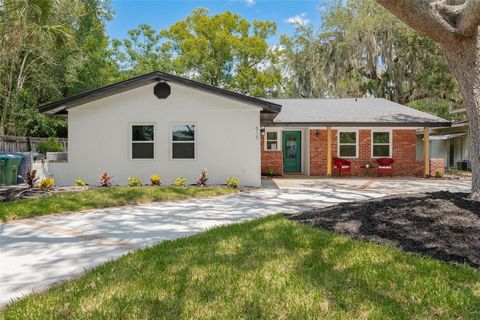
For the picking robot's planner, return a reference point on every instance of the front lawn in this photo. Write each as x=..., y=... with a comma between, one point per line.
x=101, y=198
x=268, y=268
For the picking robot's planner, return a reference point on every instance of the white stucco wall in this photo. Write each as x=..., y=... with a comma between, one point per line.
x=227, y=137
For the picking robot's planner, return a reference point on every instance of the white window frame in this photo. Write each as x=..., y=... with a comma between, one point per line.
x=356, y=144
x=130, y=140
x=279, y=148
x=171, y=142
x=390, y=143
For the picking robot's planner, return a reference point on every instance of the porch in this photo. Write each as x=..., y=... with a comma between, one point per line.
x=311, y=151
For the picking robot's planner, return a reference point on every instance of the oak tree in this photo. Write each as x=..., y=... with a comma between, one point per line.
x=455, y=26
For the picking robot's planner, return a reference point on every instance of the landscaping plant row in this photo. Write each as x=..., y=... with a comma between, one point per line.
x=47, y=184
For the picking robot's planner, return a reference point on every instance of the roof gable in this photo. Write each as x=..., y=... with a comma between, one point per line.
x=61, y=106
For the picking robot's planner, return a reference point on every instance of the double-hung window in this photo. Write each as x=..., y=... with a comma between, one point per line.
x=381, y=144
x=347, y=144
x=271, y=141
x=142, y=141
x=183, y=141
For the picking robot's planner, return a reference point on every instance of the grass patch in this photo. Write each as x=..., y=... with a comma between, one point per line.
x=101, y=198
x=268, y=268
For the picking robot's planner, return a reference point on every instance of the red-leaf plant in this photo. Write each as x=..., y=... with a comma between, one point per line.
x=105, y=180
x=202, y=178
x=31, y=178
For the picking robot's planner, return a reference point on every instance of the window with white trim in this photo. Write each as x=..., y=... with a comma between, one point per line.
x=347, y=144
x=271, y=140
x=143, y=141
x=183, y=141
x=381, y=144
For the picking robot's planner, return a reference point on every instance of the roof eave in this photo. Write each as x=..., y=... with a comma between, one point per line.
x=357, y=124
x=96, y=94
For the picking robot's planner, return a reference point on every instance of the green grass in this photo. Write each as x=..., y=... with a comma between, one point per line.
x=101, y=198
x=269, y=268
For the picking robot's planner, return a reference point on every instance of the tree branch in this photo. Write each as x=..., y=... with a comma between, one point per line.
x=464, y=16
x=419, y=15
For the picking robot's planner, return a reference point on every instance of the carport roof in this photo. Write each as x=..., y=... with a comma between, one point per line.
x=352, y=112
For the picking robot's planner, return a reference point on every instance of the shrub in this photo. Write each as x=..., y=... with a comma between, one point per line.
x=438, y=174
x=79, y=182
x=134, y=182
x=30, y=178
x=155, y=180
x=50, y=145
x=202, y=178
x=179, y=182
x=269, y=172
x=233, y=183
x=105, y=180
x=46, y=184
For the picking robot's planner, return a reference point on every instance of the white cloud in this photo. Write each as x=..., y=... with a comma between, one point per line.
x=298, y=20
x=250, y=2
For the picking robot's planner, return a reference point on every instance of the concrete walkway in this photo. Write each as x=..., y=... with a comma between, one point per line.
x=38, y=252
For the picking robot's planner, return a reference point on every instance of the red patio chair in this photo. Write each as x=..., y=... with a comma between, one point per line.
x=342, y=165
x=385, y=166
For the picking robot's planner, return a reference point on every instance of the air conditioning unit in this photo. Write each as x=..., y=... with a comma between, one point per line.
x=57, y=156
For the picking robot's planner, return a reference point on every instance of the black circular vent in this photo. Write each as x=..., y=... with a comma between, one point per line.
x=162, y=90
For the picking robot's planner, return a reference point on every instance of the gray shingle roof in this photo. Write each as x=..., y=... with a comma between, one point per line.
x=362, y=111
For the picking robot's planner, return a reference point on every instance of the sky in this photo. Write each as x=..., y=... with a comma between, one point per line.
x=160, y=14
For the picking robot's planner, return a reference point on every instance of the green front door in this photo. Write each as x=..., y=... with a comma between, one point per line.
x=292, y=148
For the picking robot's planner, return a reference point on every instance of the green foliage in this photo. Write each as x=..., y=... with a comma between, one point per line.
x=223, y=50
x=79, y=182
x=363, y=50
x=134, y=182
x=437, y=107
x=49, y=50
x=233, y=183
x=180, y=182
x=438, y=174
x=50, y=145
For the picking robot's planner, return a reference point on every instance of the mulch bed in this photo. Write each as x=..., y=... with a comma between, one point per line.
x=442, y=225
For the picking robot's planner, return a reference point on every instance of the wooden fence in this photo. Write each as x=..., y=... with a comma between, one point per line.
x=25, y=144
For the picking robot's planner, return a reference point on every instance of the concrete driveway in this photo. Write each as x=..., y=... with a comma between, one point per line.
x=39, y=252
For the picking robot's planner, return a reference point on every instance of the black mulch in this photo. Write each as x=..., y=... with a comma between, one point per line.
x=442, y=225
x=15, y=193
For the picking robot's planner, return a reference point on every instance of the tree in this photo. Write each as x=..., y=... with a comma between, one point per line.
x=49, y=49
x=225, y=50
x=362, y=49
x=454, y=25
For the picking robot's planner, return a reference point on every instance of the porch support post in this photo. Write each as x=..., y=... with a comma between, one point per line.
x=329, y=152
x=426, y=152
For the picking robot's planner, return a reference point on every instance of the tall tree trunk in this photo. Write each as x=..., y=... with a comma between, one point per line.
x=464, y=60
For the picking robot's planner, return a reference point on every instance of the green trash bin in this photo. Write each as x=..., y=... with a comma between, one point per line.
x=9, y=169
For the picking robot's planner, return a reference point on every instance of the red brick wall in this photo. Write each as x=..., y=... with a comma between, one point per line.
x=271, y=160
x=405, y=152
x=403, y=149
x=318, y=151
x=437, y=165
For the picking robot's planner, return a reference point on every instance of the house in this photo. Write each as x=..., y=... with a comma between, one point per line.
x=452, y=143
x=167, y=125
